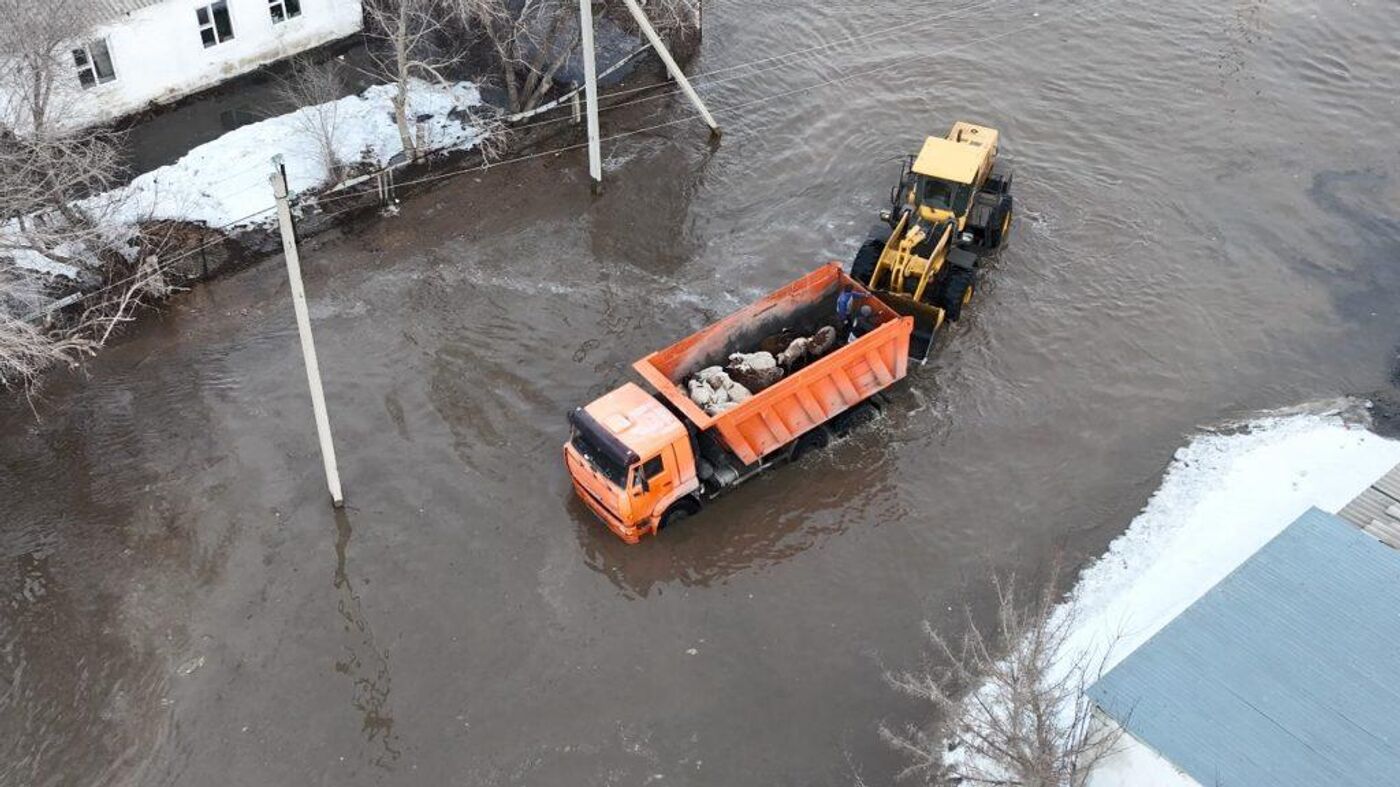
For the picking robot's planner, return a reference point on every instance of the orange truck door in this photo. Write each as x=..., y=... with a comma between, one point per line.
x=651, y=486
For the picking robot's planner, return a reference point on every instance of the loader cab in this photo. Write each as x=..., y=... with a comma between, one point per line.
x=629, y=458
x=944, y=177
x=943, y=196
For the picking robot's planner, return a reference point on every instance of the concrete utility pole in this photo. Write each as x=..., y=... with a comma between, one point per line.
x=308, y=344
x=671, y=66
x=590, y=87
x=590, y=81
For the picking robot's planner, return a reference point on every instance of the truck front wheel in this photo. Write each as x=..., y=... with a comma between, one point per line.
x=679, y=510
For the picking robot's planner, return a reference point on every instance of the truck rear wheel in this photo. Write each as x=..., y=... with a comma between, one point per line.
x=815, y=440
x=679, y=511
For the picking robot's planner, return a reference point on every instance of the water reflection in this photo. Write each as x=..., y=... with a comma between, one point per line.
x=363, y=661
x=768, y=521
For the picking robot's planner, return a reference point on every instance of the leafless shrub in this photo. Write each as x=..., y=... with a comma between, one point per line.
x=311, y=91
x=403, y=37
x=27, y=348
x=32, y=343
x=495, y=135
x=1016, y=717
x=671, y=18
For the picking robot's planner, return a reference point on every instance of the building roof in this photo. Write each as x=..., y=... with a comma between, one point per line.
x=948, y=160
x=1284, y=674
x=118, y=7
x=1377, y=509
x=102, y=11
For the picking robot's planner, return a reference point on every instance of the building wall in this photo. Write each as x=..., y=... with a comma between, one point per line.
x=158, y=55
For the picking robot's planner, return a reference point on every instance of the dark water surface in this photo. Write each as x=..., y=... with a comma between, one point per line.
x=1208, y=198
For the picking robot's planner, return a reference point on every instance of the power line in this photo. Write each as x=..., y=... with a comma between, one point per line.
x=705, y=77
x=167, y=264
x=759, y=100
x=781, y=60
x=1040, y=22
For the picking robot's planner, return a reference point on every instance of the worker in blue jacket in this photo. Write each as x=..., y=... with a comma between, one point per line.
x=848, y=296
x=848, y=316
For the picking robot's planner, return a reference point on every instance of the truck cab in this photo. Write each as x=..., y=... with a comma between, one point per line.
x=630, y=458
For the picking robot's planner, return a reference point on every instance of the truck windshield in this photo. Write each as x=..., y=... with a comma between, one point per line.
x=612, y=470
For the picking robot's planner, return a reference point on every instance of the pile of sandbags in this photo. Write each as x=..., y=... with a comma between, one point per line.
x=716, y=389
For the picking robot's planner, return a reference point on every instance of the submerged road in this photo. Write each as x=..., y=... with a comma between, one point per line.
x=1208, y=226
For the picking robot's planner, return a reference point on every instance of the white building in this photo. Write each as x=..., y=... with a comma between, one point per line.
x=143, y=52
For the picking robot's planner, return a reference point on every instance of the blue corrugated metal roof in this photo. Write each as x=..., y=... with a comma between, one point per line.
x=1285, y=674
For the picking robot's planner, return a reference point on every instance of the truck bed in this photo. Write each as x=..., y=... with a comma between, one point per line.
x=814, y=394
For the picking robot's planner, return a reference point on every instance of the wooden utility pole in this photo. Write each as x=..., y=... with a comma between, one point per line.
x=590, y=88
x=308, y=344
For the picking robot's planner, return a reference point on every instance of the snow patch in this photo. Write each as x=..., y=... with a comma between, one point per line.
x=31, y=260
x=225, y=182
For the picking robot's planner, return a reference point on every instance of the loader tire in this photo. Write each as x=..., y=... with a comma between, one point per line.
x=999, y=229
x=863, y=266
x=957, y=291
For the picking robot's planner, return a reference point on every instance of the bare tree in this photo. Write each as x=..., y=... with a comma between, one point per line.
x=671, y=18
x=404, y=36
x=49, y=157
x=311, y=90
x=1018, y=716
x=33, y=41
x=532, y=40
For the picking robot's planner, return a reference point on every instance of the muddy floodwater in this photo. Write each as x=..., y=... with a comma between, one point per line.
x=1209, y=225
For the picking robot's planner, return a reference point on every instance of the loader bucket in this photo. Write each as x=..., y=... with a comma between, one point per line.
x=927, y=320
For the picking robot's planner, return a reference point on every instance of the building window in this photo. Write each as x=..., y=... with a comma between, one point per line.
x=282, y=10
x=94, y=64
x=215, y=26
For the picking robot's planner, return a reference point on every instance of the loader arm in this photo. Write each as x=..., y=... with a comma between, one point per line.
x=886, y=263
x=900, y=266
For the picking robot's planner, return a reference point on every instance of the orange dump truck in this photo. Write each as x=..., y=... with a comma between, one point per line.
x=643, y=461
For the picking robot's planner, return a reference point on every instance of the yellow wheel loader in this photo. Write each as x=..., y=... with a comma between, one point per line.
x=951, y=207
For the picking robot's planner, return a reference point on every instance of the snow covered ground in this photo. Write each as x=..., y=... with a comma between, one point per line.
x=1223, y=497
x=224, y=182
